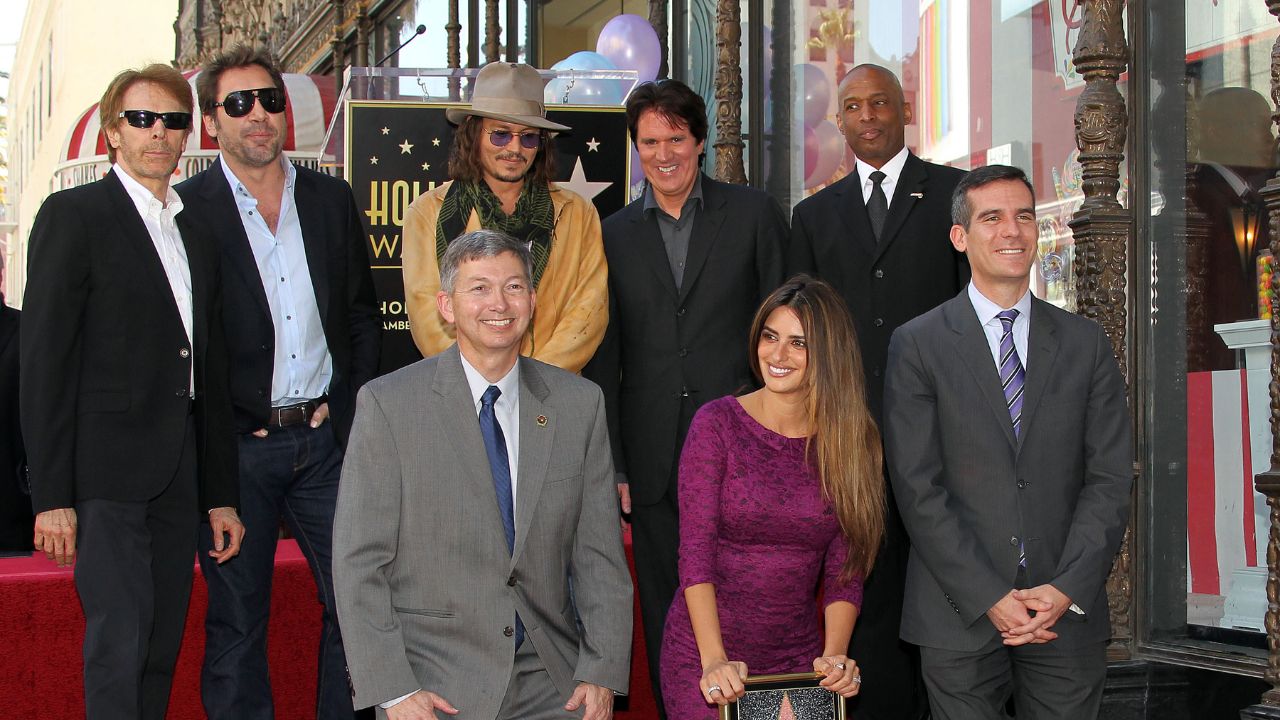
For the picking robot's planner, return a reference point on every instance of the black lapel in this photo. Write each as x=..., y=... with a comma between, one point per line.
x=908, y=191
x=853, y=210
x=648, y=242
x=1042, y=347
x=972, y=348
x=137, y=239
x=306, y=198
x=8, y=325
x=706, y=228
x=223, y=216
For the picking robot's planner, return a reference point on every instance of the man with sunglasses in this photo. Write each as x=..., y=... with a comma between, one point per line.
x=303, y=332
x=124, y=397
x=501, y=165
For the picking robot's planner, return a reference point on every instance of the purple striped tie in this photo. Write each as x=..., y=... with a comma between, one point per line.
x=1012, y=375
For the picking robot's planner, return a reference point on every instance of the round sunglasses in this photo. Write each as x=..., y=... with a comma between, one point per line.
x=144, y=119
x=240, y=103
x=528, y=140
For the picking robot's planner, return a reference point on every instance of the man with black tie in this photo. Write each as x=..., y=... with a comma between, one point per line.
x=1008, y=442
x=124, y=397
x=688, y=264
x=303, y=331
x=879, y=236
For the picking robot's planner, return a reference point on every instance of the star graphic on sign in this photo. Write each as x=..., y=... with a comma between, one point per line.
x=579, y=183
x=435, y=142
x=373, y=160
x=406, y=147
x=386, y=131
x=426, y=166
x=593, y=145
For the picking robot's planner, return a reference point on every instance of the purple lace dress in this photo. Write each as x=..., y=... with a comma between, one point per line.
x=754, y=524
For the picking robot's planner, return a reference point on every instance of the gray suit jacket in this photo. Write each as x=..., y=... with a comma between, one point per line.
x=969, y=492
x=424, y=583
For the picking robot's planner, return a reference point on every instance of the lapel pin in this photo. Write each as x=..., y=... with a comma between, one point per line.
x=541, y=420
x=917, y=195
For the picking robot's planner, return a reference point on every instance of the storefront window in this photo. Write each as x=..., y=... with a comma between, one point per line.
x=1204, y=307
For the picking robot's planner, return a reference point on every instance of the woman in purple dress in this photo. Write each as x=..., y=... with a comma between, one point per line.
x=781, y=498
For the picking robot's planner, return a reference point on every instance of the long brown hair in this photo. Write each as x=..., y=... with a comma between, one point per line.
x=464, y=156
x=846, y=441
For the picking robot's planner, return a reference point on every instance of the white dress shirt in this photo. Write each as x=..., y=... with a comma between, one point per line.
x=994, y=329
x=159, y=219
x=302, y=367
x=892, y=171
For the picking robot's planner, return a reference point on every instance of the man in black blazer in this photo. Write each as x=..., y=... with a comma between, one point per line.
x=124, y=396
x=16, y=518
x=1008, y=442
x=303, y=330
x=688, y=264
x=879, y=236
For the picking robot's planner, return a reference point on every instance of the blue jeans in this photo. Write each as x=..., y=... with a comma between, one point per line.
x=292, y=474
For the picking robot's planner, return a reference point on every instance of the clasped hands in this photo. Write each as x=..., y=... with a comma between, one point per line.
x=1012, y=614
x=722, y=680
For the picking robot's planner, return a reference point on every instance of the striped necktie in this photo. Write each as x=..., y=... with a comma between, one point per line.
x=1012, y=376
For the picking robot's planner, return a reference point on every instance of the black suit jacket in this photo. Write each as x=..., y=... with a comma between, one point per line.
x=912, y=269
x=970, y=491
x=666, y=344
x=15, y=504
x=334, y=239
x=106, y=362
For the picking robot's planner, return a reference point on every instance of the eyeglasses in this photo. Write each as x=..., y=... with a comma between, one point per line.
x=240, y=103
x=528, y=140
x=144, y=119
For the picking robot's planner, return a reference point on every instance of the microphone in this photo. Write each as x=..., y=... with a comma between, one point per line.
x=417, y=31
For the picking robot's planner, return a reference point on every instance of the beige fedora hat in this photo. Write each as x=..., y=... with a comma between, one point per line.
x=510, y=92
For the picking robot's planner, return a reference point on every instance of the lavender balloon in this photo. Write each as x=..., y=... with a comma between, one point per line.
x=584, y=92
x=631, y=44
x=816, y=89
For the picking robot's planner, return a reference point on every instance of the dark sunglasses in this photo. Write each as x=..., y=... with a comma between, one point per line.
x=528, y=140
x=144, y=119
x=239, y=103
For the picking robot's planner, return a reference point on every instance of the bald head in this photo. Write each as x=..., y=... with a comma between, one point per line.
x=873, y=113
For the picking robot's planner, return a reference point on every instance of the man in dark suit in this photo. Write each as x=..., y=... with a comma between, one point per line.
x=688, y=264
x=303, y=332
x=16, y=518
x=1008, y=441
x=879, y=236
x=124, y=396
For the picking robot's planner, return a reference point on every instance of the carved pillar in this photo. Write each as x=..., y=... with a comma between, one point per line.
x=364, y=27
x=492, y=31
x=338, y=44
x=1268, y=483
x=1102, y=230
x=453, y=29
x=658, y=19
x=728, y=93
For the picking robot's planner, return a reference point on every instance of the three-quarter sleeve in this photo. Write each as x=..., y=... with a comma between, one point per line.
x=832, y=588
x=702, y=469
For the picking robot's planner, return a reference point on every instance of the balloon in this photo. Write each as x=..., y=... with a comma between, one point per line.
x=636, y=184
x=823, y=151
x=816, y=91
x=584, y=92
x=630, y=43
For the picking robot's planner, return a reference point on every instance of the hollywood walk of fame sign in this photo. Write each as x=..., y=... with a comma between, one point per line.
x=397, y=150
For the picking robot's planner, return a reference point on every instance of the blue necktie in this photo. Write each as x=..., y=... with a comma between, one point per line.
x=1012, y=378
x=495, y=446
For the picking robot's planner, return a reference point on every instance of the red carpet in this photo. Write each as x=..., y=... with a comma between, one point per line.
x=41, y=630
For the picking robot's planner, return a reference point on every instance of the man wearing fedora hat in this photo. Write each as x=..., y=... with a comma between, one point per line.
x=501, y=165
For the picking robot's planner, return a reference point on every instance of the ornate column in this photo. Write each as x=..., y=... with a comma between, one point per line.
x=1102, y=230
x=453, y=29
x=492, y=31
x=728, y=93
x=1268, y=483
x=658, y=19
x=364, y=27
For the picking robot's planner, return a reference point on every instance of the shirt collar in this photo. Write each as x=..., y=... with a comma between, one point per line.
x=142, y=198
x=237, y=187
x=891, y=169
x=988, y=310
x=695, y=195
x=509, y=384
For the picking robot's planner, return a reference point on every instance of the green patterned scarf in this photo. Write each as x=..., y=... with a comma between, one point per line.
x=533, y=220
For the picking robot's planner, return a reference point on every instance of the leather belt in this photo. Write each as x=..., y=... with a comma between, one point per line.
x=298, y=414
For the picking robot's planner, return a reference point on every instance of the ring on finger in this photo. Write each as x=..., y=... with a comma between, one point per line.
x=840, y=665
x=714, y=689
x=857, y=679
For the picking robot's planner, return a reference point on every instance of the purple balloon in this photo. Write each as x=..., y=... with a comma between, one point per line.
x=816, y=91
x=631, y=44
x=824, y=144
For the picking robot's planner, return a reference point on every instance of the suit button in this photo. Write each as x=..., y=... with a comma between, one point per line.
x=1013, y=540
x=875, y=372
x=681, y=312
x=262, y=393
x=511, y=581
x=1022, y=484
x=684, y=352
x=179, y=393
x=265, y=346
x=878, y=322
x=184, y=353
x=879, y=274
x=508, y=631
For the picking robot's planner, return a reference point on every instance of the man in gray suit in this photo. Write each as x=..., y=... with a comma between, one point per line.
x=455, y=538
x=1008, y=442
